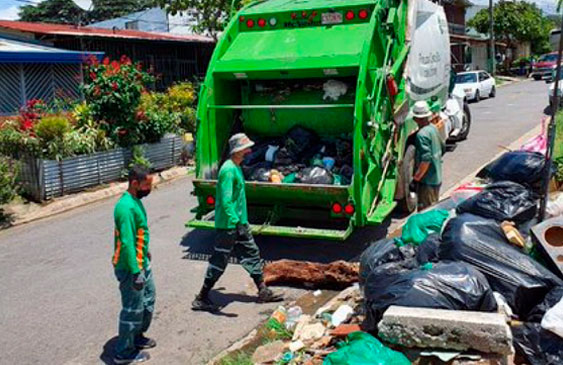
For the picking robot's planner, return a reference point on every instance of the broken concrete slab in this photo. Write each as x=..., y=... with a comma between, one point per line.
x=549, y=237
x=338, y=274
x=268, y=353
x=311, y=332
x=301, y=322
x=446, y=329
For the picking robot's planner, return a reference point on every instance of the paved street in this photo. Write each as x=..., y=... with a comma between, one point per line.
x=59, y=299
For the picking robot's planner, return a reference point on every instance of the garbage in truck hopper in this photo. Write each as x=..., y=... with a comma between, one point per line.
x=301, y=157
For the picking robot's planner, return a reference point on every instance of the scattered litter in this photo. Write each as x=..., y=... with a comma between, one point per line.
x=445, y=356
x=342, y=314
x=293, y=315
x=512, y=234
x=345, y=329
x=317, y=293
x=503, y=306
x=334, y=89
x=554, y=206
x=311, y=332
x=536, y=345
x=553, y=319
x=296, y=346
x=268, y=353
x=419, y=226
x=363, y=348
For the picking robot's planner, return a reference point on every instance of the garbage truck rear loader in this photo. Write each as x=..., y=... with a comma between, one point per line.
x=346, y=70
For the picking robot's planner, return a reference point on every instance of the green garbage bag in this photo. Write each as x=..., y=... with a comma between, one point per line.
x=361, y=348
x=421, y=225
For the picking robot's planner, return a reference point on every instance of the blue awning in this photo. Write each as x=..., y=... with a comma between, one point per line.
x=12, y=51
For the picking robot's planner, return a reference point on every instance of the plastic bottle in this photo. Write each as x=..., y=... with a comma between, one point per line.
x=293, y=315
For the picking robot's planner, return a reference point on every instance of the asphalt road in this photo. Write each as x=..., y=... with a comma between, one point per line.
x=59, y=298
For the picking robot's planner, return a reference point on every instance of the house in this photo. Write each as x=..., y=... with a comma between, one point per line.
x=151, y=20
x=32, y=71
x=173, y=57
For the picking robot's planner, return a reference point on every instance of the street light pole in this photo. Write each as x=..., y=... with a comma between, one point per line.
x=551, y=129
x=492, y=39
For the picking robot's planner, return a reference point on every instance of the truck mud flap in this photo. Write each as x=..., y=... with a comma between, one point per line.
x=283, y=231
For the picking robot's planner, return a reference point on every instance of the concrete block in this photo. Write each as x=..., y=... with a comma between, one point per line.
x=549, y=236
x=446, y=329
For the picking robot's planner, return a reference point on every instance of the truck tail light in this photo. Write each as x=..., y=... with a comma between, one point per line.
x=250, y=23
x=293, y=15
x=363, y=14
x=350, y=15
x=304, y=14
x=210, y=200
x=241, y=19
x=261, y=23
x=337, y=208
x=349, y=209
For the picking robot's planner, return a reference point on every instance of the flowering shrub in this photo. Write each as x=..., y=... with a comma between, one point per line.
x=113, y=90
x=31, y=113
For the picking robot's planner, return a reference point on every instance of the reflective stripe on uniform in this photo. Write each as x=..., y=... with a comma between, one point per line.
x=117, y=249
x=211, y=266
x=140, y=247
x=131, y=310
x=225, y=250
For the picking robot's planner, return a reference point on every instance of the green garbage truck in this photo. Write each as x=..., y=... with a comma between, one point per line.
x=344, y=71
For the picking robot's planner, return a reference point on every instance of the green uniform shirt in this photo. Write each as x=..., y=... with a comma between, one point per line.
x=131, y=235
x=230, y=206
x=430, y=148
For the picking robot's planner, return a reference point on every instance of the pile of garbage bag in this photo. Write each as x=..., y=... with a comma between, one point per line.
x=475, y=253
x=301, y=157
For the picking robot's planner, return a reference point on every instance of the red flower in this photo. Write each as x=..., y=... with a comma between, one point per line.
x=93, y=75
x=125, y=60
x=114, y=86
x=97, y=91
x=115, y=65
x=26, y=124
x=106, y=61
x=122, y=132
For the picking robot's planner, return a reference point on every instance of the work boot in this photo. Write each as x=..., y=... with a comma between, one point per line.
x=144, y=343
x=134, y=358
x=266, y=295
x=203, y=303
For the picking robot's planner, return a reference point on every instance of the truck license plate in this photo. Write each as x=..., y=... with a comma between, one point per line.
x=331, y=18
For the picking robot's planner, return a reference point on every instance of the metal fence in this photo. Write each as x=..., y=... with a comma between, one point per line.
x=23, y=82
x=46, y=179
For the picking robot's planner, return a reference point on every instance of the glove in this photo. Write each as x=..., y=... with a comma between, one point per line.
x=139, y=281
x=413, y=186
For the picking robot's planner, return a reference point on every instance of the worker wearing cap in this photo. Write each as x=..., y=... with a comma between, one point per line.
x=233, y=231
x=429, y=150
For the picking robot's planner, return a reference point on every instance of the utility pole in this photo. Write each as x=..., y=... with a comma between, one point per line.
x=492, y=40
x=551, y=130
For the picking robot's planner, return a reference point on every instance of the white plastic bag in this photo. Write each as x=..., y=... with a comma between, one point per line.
x=553, y=319
x=555, y=205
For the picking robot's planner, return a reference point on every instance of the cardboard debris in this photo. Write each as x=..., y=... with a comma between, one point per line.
x=268, y=353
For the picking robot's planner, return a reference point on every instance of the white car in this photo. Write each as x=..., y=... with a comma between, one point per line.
x=551, y=93
x=476, y=84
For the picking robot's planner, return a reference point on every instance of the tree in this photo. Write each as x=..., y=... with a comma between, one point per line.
x=515, y=22
x=66, y=12
x=52, y=11
x=211, y=15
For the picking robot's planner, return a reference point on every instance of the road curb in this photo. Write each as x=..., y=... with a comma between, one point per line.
x=71, y=202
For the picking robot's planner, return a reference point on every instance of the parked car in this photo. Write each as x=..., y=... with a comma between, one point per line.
x=476, y=84
x=544, y=66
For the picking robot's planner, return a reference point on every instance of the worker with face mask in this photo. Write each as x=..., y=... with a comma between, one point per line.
x=132, y=264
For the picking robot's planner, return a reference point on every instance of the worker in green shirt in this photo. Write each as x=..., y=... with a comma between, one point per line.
x=132, y=263
x=429, y=151
x=233, y=231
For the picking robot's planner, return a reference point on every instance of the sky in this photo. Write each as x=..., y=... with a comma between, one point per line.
x=9, y=8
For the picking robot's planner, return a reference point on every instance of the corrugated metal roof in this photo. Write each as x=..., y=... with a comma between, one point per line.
x=12, y=51
x=63, y=29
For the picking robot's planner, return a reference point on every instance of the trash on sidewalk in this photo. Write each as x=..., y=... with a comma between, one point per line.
x=553, y=319
x=269, y=353
x=428, y=287
x=554, y=206
x=419, y=226
x=512, y=234
x=446, y=329
x=526, y=168
x=502, y=201
x=336, y=275
x=482, y=244
x=536, y=345
x=363, y=348
x=342, y=314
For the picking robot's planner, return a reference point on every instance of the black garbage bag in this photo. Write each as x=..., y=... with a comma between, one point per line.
x=300, y=141
x=552, y=298
x=383, y=252
x=261, y=174
x=521, y=167
x=445, y=285
x=536, y=345
x=315, y=175
x=257, y=155
x=481, y=243
x=429, y=249
x=502, y=201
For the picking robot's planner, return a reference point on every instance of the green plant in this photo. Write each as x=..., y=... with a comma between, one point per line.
x=113, y=92
x=559, y=169
x=9, y=187
x=52, y=128
x=138, y=157
x=238, y=358
x=14, y=142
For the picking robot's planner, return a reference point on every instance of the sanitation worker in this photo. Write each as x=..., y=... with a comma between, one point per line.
x=429, y=150
x=233, y=232
x=132, y=264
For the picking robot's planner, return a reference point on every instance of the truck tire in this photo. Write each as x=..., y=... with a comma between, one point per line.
x=477, y=96
x=409, y=202
x=466, y=124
